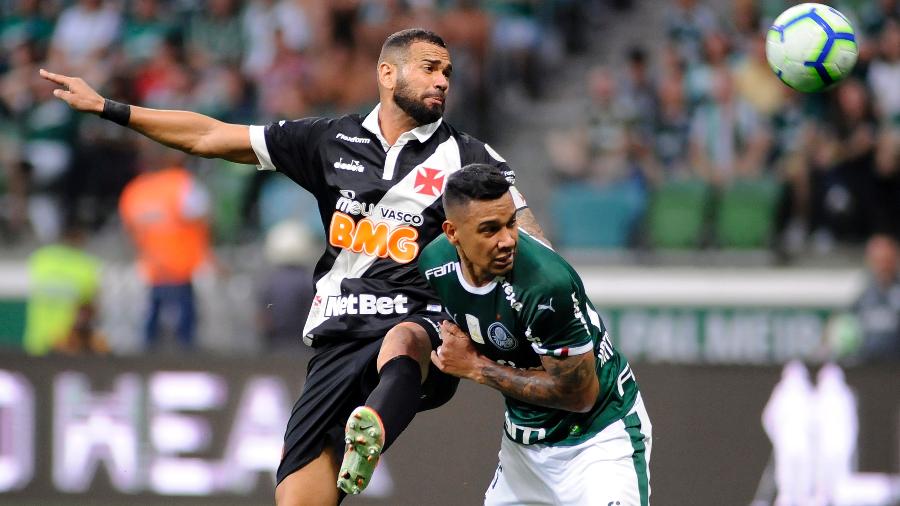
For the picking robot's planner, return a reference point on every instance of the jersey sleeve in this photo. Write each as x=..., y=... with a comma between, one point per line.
x=479, y=152
x=560, y=323
x=289, y=147
x=434, y=258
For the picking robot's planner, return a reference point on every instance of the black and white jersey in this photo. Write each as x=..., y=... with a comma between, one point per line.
x=379, y=204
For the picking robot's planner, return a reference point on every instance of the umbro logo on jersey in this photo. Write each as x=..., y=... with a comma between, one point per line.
x=357, y=140
x=429, y=181
x=353, y=166
x=549, y=305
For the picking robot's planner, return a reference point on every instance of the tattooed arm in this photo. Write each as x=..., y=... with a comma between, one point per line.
x=568, y=383
x=565, y=383
x=527, y=222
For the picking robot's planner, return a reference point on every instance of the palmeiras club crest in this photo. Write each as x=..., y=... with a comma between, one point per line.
x=501, y=337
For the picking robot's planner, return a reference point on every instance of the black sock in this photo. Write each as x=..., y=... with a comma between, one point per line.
x=396, y=398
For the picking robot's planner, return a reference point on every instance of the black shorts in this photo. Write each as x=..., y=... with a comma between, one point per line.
x=340, y=377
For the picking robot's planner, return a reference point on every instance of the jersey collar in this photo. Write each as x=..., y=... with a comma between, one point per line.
x=422, y=132
x=474, y=290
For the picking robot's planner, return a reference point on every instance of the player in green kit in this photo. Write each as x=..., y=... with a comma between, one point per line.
x=576, y=429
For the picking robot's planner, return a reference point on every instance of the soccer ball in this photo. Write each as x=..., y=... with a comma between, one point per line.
x=811, y=47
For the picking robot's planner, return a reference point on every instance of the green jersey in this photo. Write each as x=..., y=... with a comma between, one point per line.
x=539, y=308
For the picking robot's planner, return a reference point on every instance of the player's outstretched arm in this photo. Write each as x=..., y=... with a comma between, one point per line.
x=190, y=132
x=568, y=383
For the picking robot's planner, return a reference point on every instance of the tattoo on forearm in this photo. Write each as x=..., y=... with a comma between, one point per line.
x=526, y=221
x=556, y=386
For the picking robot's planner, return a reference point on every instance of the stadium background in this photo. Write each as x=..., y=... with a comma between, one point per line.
x=714, y=261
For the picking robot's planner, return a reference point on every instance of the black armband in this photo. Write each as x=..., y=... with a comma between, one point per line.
x=116, y=112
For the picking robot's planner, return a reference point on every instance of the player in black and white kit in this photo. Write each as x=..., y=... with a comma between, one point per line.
x=378, y=180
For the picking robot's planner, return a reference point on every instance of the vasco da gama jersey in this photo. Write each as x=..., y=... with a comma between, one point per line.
x=539, y=308
x=379, y=204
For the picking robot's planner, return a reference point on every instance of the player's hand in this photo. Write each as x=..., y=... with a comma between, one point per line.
x=75, y=92
x=456, y=355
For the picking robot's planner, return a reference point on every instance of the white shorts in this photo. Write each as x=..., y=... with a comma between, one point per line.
x=610, y=469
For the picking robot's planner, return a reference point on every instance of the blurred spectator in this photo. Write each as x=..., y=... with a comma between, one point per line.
x=688, y=22
x=26, y=24
x=639, y=93
x=287, y=290
x=268, y=24
x=792, y=136
x=846, y=200
x=84, y=338
x=728, y=140
x=467, y=29
x=215, y=35
x=284, y=88
x=165, y=212
x=884, y=76
x=83, y=37
x=517, y=40
x=596, y=151
x=878, y=308
x=755, y=82
x=671, y=131
x=146, y=29
x=746, y=24
x=64, y=283
x=164, y=79
x=701, y=75
x=874, y=14
x=48, y=129
x=224, y=94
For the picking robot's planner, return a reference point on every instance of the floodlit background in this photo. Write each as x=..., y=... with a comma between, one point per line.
x=734, y=235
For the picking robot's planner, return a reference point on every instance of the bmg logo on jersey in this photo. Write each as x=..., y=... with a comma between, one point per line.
x=363, y=304
x=374, y=239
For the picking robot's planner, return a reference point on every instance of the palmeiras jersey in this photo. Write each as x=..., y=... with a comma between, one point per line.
x=539, y=308
x=379, y=204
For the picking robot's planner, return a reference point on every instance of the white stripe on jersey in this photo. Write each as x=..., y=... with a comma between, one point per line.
x=402, y=196
x=569, y=351
x=258, y=143
x=539, y=241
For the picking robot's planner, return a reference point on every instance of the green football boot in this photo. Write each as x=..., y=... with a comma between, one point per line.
x=365, y=440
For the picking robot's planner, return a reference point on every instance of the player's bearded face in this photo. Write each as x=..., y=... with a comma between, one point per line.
x=423, y=107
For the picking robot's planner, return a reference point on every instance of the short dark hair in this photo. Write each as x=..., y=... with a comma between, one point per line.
x=404, y=38
x=476, y=181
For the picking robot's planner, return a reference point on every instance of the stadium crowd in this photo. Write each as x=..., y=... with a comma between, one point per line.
x=239, y=61
x=688, y=140
x=699, y=116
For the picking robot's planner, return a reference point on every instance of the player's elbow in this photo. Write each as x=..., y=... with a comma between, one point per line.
x=584, y=400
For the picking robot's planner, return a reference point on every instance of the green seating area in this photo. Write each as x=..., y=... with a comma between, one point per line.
x=587, y=217
x=683, y=214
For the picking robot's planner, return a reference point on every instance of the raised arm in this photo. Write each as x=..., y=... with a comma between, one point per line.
x=568, y=383
x=186, y=131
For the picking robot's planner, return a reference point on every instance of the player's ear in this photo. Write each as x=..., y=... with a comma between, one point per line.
x=450, y=231
x=387, y=75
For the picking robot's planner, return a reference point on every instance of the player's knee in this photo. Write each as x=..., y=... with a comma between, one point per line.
x=405, y=339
